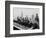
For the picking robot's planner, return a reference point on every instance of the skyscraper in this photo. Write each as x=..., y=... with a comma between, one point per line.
x=21, y=13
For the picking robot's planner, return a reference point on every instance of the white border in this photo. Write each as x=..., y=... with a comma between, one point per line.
x=24, y=31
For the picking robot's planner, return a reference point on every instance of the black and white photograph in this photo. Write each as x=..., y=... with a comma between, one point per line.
x=24, y=18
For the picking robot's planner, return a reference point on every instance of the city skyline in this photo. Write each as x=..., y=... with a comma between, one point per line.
x=23, y=13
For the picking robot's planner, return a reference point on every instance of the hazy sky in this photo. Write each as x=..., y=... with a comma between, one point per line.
x=26, y=11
